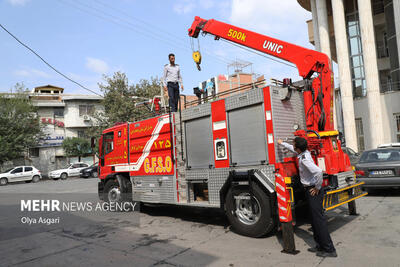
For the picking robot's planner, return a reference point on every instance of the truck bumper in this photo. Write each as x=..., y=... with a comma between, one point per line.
x=338, y=197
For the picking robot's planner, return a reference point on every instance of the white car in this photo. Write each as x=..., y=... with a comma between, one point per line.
x=72, y=169
x=20, y=173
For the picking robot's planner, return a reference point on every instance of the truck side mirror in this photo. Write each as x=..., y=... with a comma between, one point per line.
x=93, y=142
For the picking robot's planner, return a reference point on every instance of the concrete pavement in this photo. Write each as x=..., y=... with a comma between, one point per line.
x=182, y=236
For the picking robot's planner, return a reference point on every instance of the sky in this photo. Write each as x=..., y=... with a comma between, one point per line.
x=86, y=40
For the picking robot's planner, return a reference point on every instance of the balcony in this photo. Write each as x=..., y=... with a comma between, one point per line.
x=378, y=7
x=382, y=50
x=387, y=87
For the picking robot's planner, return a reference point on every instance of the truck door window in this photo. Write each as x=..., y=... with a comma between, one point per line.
x=108, y=142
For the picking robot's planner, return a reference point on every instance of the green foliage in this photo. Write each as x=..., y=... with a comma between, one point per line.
x=19, y=124
x=76, y=147
x=119, y=101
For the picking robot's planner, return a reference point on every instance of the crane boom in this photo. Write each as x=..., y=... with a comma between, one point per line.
x=318, y=98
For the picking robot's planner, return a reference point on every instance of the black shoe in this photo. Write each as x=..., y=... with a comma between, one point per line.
x=327, y=254
x=314, y=249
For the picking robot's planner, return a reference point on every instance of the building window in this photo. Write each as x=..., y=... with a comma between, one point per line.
x=356, y=57
x=34, y=152
x=397, y=121
x=58, y=112
x=81, y=134
x=86, y=110
x=360, y=134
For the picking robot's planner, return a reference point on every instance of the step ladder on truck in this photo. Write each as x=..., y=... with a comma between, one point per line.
x=224, y=153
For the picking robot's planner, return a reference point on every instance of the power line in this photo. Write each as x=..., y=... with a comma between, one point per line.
x=254, y=52
x=48, y=64
x=162, y=31
x=127, y=24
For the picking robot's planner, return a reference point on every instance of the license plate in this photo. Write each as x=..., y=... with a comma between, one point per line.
x=381, y=173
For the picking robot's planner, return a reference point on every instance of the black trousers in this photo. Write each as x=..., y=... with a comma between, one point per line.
x=318, y=221
x=173, y=94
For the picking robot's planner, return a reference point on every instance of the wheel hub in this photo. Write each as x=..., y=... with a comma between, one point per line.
x=248, y=209
x=114, y=195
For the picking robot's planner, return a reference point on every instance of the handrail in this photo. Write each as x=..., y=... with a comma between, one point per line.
x=227, y=92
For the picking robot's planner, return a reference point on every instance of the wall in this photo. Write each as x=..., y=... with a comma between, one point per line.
x=53, y=157
x=390, y=105
x=71, y=113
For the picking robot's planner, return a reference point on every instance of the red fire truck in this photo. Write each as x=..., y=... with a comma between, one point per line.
x=224, y=153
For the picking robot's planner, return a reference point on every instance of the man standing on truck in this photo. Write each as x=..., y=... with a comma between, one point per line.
x=171, y=80
x=311, y=179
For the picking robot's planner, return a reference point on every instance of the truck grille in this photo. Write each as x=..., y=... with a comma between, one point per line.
x=345, y=179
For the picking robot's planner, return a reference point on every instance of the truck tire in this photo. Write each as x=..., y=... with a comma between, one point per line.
x=249, y=216
x=113, y=194
x=64, y=176
x=112, y=191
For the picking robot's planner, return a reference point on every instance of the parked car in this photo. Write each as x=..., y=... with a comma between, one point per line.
x=379, y=168
x=72, y=169
x=389, y=145
x=90, y=171
x=353, y=156
x=20, y=173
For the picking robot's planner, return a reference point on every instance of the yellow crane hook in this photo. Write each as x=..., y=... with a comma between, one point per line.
x=197, y=59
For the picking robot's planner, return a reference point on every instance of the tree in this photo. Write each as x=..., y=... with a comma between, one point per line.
x=19, y=124
x=120, y=99
x=76, y=147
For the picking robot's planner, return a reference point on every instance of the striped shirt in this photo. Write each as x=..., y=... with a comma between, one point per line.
x=171, y=74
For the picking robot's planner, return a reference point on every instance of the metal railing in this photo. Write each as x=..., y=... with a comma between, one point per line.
x=378, y=7
x=243, y=87
x=390, y=87
x=382, y=50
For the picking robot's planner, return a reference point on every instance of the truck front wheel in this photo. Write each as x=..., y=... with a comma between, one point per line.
x=249, y=214
x=112, y=191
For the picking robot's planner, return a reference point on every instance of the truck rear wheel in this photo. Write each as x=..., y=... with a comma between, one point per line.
x=249, y=215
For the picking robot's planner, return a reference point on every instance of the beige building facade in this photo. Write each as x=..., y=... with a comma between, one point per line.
x=63, y=115
x=363, y=38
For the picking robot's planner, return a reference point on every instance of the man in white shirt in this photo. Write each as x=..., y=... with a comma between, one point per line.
x=171, y=80
x=311, y=178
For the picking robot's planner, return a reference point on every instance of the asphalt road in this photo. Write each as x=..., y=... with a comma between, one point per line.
x=176, y=236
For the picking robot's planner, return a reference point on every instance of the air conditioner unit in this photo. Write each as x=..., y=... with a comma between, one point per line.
x=86, y=118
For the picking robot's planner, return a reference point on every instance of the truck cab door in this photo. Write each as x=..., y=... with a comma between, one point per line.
x=101, y=151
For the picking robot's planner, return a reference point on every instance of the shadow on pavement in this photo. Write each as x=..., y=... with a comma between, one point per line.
x=383, y=192
x=87, y=239
x=213, y=216
x=336, y=219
